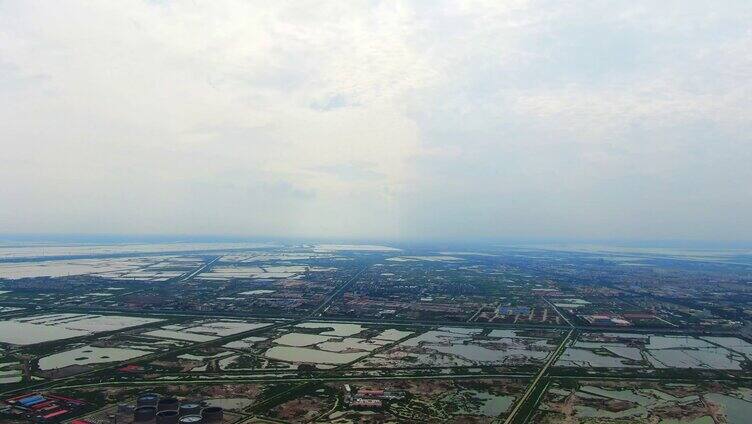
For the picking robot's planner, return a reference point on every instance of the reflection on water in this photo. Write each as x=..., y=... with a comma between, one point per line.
x=88, y=355
x=302, y=354
x=737, y=410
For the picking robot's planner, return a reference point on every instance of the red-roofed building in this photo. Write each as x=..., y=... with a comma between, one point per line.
x=55, y=414
x=132, y=369
x=367, y=403
x=367, y=393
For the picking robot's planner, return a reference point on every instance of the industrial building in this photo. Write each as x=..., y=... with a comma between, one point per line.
x=44, y=408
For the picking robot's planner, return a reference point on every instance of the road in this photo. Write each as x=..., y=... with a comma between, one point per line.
x=199, y=270
x=512, y=417
x=306, y=379
x=556, y=309
x=339, y=290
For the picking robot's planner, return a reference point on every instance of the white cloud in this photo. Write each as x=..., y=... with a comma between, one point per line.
x=376, y=119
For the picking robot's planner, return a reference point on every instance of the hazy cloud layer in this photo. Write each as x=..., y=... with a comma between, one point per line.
x=378, y=119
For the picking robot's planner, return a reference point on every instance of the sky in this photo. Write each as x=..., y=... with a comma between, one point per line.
x=404, y=120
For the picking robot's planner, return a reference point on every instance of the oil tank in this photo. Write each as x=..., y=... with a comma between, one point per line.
x=144, y=414
x=167, y=404
x=190, y=408
x=169, y=416
x=147, y=399
x=211, y=415
x=190, y=419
